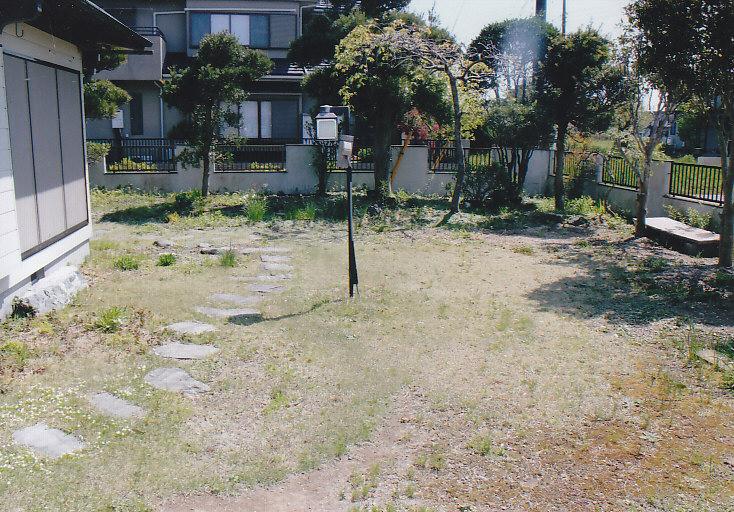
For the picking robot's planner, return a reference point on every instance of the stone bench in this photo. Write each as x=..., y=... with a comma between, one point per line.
x=683, y=238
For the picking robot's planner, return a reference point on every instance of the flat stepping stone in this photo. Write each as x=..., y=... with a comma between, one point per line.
x=192, y=327
x=266, y=288
x=257, y=250
x=176, y=380
x=228, y=313
x=274, y=258
x=178, y=350
x=264, y=278
x=47, y=441
x=240, y=300
x=115, y=406
x=276, y=267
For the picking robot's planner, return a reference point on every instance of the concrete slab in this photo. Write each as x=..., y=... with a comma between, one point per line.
x=259, y=250
x=264, y=278
x=191, y=327
x=47, y=441
x=683, y=231
x=274, y=258
x=112, y=405
x=240, y=300
x=276, y=268
x=228, y=313
x=176, y=380
x=266, y=288
x=184, y=351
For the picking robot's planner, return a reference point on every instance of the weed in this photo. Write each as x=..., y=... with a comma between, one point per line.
x=173, y=218
x=228, y=259
x=127, y=262
x=483, y=445
x=435, y=460
x=654, y=264
x=307, y=212
x=14, y=355
x=727, y=379
x=110, y=320
x=723, y=278
x=103, y=245
x=525, y=250
x=256, y=209
x=166, y=260
x=409, y=490
x=582, y=244
x=22, y=309
x=585, y=206
x=278, y=400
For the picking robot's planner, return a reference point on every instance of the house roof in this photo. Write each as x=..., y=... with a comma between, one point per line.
x=80, y=22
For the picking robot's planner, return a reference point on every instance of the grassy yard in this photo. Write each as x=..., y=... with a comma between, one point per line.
x=504, y=360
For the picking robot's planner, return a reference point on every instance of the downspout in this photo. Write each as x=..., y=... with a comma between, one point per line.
x=160, y=104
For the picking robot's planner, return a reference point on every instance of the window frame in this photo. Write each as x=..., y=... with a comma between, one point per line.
x=230, y=13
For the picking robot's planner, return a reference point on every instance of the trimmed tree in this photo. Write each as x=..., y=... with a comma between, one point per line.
x=689, y=45
x=219, y=77
x=579, y=86
x=102, y=98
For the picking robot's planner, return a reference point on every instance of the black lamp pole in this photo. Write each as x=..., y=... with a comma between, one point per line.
x=353, y=277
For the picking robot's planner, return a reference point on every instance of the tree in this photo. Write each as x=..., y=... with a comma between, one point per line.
x=102, y=98
x=578, y=86
x=382, y=88
x=205, y=92
x=689, y=45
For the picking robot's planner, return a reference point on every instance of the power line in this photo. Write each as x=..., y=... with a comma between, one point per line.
x=458, y=15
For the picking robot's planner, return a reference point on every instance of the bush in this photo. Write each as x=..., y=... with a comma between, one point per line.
x=128, y=164
x=491, y=186
x=256, y=209
x=127, y=263
x=692, y=217
x=166, y=260
x=585, y=206
x=185, y=201
x=96, y=151
x=307, y=212
x=110, y=320
x=228, y=259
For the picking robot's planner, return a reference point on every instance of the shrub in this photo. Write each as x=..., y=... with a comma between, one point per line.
x=110, y=320
x=127, y=263
x=14, y=355
x=96, y=151
x=723, y=278
x=256, y=209
x=173, y=218
x=585, y=206
x=185, y=201
x=22, y=309
x=691, y=216
x=228, y=259
x=307, y=212
x=128, y=164
x=491, y=186
x=576, y=175
x=166, y=260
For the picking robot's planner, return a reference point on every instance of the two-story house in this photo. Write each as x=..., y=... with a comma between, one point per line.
x=274, y=110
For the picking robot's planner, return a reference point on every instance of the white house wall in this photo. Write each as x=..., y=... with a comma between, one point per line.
x=30, y=43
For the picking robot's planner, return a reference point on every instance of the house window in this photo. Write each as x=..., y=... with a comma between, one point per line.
x=255, y=30
x=256, y=120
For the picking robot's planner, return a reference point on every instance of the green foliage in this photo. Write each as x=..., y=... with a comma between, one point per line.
x=22, y=309
x=228, y=259
x=691, y=216
x=110, y=320
x=256, y=209
x=13, y=356
x=95, y=61
x=166, y=260
x=185, y=201
x=585, y=206
x=692, y=120
x=491, y=186
x=127, y=262
x=220, y=76
x=307, y=212
x=102, y=99
x=96, y=151
x=321, y=161
x=128, y=164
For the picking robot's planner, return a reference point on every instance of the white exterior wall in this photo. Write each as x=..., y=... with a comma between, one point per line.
x=28, y=42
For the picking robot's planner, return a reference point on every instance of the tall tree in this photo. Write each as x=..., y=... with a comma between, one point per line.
x=218, y=78
x=689, y=45
x=102, y=98
x=579, y=86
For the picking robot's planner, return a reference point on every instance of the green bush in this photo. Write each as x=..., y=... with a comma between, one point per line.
x=110, y=320
x=127, y=263
x=256, y=209
x=128, y=164
x=228, y=259
x=691, y=216
x=96, y=151
x=585, y=206
x=307, y=212
x=186, y=201
x=166, y=260
x=491, y=186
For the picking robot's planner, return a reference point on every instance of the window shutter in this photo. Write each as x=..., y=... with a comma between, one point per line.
x=285, y=119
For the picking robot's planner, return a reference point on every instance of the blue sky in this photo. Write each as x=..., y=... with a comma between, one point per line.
x=467, y=17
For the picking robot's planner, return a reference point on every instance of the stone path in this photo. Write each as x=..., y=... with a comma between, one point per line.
x=55, y=443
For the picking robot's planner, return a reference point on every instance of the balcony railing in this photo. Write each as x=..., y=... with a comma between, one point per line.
x=149, y=32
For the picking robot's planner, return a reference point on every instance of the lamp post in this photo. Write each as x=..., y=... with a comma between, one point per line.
x=327, y=129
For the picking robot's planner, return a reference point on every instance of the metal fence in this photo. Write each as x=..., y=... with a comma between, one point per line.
x=442, y=157
x=252, y=158
x=697, y=182
x=140, y=155
x=618, y=172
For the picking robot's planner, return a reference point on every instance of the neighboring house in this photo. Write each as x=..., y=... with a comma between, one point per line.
x=274, y=110
x=44, y=198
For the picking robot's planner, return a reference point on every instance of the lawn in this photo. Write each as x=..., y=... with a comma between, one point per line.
x=503, y=360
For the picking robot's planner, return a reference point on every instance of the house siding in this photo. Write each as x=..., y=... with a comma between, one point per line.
x=9, y=241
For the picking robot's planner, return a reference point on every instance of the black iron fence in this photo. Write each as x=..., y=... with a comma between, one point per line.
x=442, y=157
x=618, y=172
x=252, y=158
x=701, y=182
x=140, y=155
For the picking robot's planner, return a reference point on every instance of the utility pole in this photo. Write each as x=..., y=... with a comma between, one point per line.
x=564, y=19
x=541, y=9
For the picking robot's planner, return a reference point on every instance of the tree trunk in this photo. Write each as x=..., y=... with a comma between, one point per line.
x=381, y=152
x=727, y=214
x=460, y=160
x=560, y=167
x=205, y=176
x=394, y=172
x=641, y=219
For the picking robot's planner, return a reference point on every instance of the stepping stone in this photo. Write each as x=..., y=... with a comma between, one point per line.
x=47, y=441
x=164, y=244
x=240, y=300
x=274, y=258
x=228, y=313
x=178, y=350
x=191, y=327
x=276, y=267
x=266, y=288
x=176, y=380
x=255, y=250
x=115, y=406
x=272, y=277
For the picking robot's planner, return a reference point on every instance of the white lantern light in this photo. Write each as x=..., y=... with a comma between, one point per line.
x=327, y=124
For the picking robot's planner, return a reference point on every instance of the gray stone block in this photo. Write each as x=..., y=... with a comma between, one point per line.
x=240, y=300
x=274, y=258
x=176, y=380
x=227, y=313
x=112, y=405
x=178, y=350
x=55, y=290
x=259, y=250
x=276, y=268
x=266, y=288
x=47, y=441
x=191, y=327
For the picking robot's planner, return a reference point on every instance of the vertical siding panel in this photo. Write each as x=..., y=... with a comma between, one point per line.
x=72, y=140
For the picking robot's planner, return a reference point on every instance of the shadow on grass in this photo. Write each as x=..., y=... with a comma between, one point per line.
x=629, y=289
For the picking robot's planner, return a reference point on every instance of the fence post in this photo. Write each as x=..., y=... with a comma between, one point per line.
x=599, y=162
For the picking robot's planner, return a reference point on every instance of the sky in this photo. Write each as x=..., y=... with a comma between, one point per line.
x=466, y=18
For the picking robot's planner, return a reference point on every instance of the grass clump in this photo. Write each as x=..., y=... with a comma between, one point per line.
x=14, y=356
x=166, y=260
x=307, y=212
x=110, y=320
x=654, y=264
x=126, y=263
x=278, y=400
x=585, y=206
x=723, y=278
x=483, y=445
x=525, y=250
x=228, y=259
x=256, y=209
